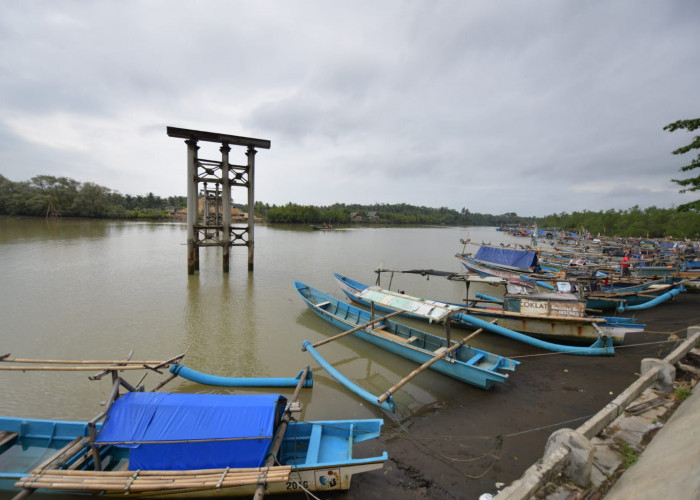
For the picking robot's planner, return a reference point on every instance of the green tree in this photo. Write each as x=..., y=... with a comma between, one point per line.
x=692, y=183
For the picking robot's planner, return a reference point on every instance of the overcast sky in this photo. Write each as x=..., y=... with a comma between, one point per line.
x=534, y=107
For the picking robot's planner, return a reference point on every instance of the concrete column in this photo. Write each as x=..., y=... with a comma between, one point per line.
x=225, y=205
x=192, y=208
x=251, y=204
x=580, y=458
x=666, y=376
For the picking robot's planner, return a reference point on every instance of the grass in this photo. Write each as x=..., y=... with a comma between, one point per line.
x=682, y=393
x=630, y=454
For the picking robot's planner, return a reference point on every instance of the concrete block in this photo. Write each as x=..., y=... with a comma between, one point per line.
x=667, y=373
x=607, y=460
x=580, y=458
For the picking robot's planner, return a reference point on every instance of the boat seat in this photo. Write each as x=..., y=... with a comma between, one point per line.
x=322, y=304
x=475, y=359
x=314, y=444
x=393, y=336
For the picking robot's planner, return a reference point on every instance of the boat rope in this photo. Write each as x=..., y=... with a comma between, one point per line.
x=451, y=462
x=494, y=454
x=221, y=479
x=300, y=483
x=131, y=480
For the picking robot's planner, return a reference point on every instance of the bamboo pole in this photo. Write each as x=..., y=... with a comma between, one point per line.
x=353, y=330
x=140, y=487
x=145, y=481
x=155, y=473
x=75, y=368
x=82, y=361
x=427, y=365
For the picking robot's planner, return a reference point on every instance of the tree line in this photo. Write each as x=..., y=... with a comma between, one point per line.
x=46, y=195
x=650, y=222
x=392, y=214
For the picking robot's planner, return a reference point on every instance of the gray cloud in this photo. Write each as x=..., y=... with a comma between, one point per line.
x=531, y=107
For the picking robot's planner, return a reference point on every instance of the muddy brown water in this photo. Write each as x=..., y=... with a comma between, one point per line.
x=98, y=289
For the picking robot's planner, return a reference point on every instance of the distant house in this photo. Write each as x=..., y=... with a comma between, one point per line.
x=371, y=216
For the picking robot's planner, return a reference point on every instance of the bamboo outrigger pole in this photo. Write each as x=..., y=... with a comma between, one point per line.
x=353, y=330
x=427, y=364
x=277, y=442
x=104, y=366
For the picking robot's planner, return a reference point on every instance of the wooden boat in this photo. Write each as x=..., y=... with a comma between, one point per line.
x=604, y=294
x=510, y=274
x=185, y=445
x=548, y=316
x=601, y=292
x=467, y=364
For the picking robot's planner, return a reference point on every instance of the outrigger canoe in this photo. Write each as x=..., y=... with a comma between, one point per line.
x=184, y=445
x=466, y=364
x=553, y=317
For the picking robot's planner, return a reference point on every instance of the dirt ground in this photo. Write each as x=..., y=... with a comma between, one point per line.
x=473, y=440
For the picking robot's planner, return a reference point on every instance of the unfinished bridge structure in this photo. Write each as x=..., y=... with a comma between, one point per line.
x=210, y=221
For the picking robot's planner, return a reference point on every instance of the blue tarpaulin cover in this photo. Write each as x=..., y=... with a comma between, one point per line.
x=522, y=259
x=220, y=430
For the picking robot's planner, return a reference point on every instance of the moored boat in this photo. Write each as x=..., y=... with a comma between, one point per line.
x=548, y=316
x=467, y=364
x=185, y=445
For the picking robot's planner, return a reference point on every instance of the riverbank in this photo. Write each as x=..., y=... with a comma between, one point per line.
x=474, y=443
x=588, y=461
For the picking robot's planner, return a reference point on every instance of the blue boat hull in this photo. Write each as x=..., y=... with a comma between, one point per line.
x=319, y=452
x=469, y=365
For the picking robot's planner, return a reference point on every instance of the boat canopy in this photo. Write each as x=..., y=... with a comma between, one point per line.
x=429, y=309
x=522, y=259
x=166, y=431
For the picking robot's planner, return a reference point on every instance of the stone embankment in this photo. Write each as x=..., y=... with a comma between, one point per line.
x=590, y=461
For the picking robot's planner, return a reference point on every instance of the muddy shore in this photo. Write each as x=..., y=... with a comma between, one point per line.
x=473, y=440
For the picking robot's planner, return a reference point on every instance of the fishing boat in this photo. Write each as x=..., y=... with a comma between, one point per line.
x=185, y=445
x=549, y=316
x=466, y=364
x=601, y=291
x=516, y=272
x=602, y=294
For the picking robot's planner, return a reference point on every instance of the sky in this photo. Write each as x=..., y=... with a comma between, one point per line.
x=534, y=107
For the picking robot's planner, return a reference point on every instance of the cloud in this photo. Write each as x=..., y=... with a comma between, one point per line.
x=492, y=106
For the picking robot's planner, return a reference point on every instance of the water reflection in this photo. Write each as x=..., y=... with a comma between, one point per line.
x=97, y=289
x=220, y=326
x=28, y=230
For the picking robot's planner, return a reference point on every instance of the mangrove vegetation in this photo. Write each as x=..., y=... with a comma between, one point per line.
x=48, y=196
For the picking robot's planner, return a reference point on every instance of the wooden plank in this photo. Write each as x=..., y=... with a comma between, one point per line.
x=353, y=330
x=63, y=455
x=7, y=437
x=392, y=336
x=201, y=135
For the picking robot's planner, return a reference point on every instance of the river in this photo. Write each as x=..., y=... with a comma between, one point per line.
x=92, y=289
